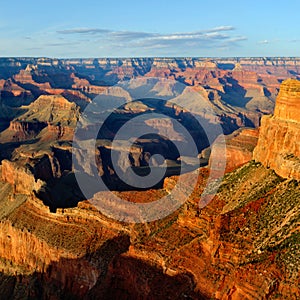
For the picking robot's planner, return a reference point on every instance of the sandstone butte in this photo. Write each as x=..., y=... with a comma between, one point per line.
x=243, y=245
x=279, y=143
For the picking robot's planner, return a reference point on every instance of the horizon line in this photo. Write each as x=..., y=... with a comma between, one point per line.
x=150, y=57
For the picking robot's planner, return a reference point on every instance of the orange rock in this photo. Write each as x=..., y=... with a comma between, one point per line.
x=288, y=101
x=239, y=148
x=19, y=177
x=279, y=140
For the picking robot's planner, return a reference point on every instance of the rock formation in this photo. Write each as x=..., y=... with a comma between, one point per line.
x=239, y=148
x=278, y=145
x=234, y=85
x=19, y=177
x=51, y=113
x=244, y=244
x=287, y=103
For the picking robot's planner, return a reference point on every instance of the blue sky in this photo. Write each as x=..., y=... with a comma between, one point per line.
x=132, y=28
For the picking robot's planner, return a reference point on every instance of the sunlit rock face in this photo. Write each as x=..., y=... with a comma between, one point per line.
x=242, y=245
x=279, y=140
x=288, y=101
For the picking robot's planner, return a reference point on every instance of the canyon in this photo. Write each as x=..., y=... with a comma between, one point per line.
x=243, y=244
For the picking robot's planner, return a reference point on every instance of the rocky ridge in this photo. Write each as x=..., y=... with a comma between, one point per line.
x=243, y=245
x=242, y=88
x=278, y=146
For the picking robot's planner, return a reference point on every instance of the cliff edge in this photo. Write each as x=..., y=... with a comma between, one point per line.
x=278, y=145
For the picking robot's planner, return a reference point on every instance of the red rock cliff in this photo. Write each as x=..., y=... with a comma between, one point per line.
x=279, y=140
x=288, y=101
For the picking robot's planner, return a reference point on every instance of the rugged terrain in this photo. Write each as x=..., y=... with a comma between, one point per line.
x=282, y=152
x=241, y=88
x=243, y=245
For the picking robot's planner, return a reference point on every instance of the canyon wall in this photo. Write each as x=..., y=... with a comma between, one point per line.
x=243, y=245
x=278, y=146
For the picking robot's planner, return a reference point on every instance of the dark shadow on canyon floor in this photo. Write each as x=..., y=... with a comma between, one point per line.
x=104, y=274
x=65, y=192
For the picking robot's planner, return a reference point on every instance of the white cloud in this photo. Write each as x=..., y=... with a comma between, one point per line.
x=221, y=36
x=264, y=42
x=83, y=31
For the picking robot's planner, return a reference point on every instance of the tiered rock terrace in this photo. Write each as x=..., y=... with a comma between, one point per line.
x=279, y=141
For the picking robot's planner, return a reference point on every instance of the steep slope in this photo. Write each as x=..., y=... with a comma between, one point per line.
x=50, y=114
x=239, y=148
x=244, y=244
x=279, y=143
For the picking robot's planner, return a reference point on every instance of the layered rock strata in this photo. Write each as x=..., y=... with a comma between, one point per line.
x=279, y=140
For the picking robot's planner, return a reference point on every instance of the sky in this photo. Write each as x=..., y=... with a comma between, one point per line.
x=164, y=28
